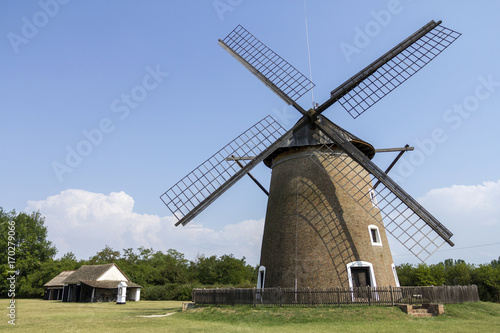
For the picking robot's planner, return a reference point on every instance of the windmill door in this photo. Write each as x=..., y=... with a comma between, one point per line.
x=360, y=280
x=360, y=276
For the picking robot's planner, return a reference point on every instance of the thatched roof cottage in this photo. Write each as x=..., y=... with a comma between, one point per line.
x=93, y=283
x=53, y=289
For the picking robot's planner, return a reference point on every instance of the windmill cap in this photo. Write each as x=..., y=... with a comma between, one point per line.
x=307, y=136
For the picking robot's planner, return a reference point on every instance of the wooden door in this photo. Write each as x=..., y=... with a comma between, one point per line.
x=360, y=276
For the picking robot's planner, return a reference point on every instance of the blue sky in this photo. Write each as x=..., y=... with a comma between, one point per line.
x=143, y=93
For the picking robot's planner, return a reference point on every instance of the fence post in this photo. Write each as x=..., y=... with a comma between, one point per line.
x=392, y=296
x=368, y=292
x=279, y=295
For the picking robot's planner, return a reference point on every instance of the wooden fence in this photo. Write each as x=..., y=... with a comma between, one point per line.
x=388, y=296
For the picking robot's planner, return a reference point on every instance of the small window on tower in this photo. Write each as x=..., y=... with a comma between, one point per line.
x=374, y=235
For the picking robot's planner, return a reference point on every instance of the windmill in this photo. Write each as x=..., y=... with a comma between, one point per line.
x=329, y=205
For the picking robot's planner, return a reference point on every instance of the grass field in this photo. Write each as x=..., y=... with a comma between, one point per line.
x=55, y=316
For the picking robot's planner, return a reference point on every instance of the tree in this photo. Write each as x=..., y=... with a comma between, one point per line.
x=423, y=275
x=175, y=269
x=438, y=274
x=487, y=279
x=26, y=237
x=129, y=256
x=155, y=268
x=495, y=263
x=105, y=256
x=234, y=271
x=145, y=254
x=32, y=285
x=161, y=269
x=204, y=269
x=69, y=257
x=406, y=274
x=226, y=270
x=458, y=272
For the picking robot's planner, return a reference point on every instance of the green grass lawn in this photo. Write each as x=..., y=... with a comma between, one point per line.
x=55, y=316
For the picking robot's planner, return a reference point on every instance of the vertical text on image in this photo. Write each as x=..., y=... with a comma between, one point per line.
x=11, y=272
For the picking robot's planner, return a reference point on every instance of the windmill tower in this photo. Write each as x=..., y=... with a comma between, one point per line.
x=330, y=207
x=316, y=233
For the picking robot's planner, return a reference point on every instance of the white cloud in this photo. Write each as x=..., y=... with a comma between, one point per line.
x=472, y=214
x=467, y=206
x=84, y=222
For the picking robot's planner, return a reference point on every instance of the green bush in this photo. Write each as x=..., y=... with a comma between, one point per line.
x=153, y=293
x=168, y=292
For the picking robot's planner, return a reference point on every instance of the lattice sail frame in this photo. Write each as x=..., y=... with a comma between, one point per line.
x=200, y=183
x=397, y=70
x=292, y=83
x=400, y=221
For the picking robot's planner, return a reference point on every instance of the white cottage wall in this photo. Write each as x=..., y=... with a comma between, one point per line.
x=112, y=274
x=134, y=294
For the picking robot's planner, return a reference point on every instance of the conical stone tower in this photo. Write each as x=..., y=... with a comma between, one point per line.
x=316, y=234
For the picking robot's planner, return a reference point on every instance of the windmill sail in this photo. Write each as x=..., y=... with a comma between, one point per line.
x=275, y=72
x=193, y=193
x=396, y=66
x=410, y=223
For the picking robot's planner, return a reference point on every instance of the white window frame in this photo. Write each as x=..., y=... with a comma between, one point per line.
x=373, y=198
x=378, y=241
x=261, y=281
x=364, y=264
x=395, y=272
x=261, y=277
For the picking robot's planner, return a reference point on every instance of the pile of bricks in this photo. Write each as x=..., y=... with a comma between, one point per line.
x=425, y=310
